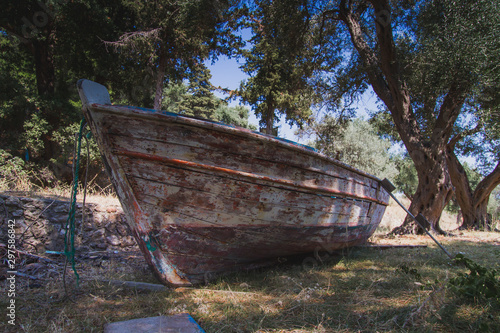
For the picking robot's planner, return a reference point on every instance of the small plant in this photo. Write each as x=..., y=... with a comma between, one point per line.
x=480, y=283
x=35, y=128
x=12, y=171
x=404, y=269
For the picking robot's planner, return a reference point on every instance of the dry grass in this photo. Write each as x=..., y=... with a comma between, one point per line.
x=361, y=290
x=99, y=199
x=34, y=184
x=366, y=291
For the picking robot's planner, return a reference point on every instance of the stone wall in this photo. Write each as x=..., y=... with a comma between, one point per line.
x=40, y=221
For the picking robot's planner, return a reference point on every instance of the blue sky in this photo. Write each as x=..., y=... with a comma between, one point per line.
x=227, y=74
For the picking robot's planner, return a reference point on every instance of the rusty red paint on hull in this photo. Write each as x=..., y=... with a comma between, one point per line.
x=213, y=251
x=211, y=168
x=203, y=198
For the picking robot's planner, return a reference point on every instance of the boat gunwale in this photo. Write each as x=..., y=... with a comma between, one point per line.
x=138, y=112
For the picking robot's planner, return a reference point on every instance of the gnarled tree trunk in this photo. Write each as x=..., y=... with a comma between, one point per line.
x=427, y=152
x=474, y=204
x=433, y=192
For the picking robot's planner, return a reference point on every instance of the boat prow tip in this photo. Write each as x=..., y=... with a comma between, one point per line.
x=93, y=92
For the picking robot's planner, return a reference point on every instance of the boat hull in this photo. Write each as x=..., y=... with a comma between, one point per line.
x=203, y=198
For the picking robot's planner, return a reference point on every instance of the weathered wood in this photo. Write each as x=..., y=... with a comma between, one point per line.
x=31, y=255
x=180, y=323
x=136, y=285
x=385, y=247
x=92, y=92
x=31, y=277
x=203, y=198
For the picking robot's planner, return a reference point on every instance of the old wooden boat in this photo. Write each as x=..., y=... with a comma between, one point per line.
x=204, y=198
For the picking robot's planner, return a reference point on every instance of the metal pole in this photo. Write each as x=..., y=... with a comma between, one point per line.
x=420, y=219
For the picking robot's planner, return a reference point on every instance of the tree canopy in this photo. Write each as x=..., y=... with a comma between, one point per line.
x=197, y=99
x=354, y=142
x=173, y=38
x=280, y=62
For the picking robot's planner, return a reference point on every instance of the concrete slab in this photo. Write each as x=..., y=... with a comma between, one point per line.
x=180, y=323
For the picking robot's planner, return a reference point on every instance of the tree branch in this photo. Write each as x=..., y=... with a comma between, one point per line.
x=455, y=139
x=449, y=112
x=10, y=30
x=130, y=38
x=367, y=55
x=487, y=185
x=383, y=72
x=388, y=60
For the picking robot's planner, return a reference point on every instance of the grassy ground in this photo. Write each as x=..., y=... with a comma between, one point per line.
x=360, y=290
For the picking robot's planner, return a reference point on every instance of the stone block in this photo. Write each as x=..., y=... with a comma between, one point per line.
x=113, y=240
x=17, y=213
x=13, y=201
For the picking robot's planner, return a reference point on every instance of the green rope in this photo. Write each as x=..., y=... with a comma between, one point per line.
x=69, y=243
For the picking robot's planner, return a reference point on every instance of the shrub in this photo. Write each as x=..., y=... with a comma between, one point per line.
x=481, y=283
x=12, y=171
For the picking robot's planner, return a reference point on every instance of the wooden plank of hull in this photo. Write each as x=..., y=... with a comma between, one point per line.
x=232, y=231
x=247, y=164
x=239, y=152
x=209, y=191
x=203, y=198
x=201, y=253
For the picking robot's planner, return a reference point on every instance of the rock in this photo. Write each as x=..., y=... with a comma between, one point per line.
x=61, y=209
x=46, y=218
x=111, y=209
x=128, y=241
x=29, y=206
x=21, y=224
x=13, y=201
x=61, y=219
x=88, y=226
x=113, y=240
x=100, y=245
x=99, y=233
x=182, y=322
x=30, y=214
x=114, y=218
x=98, y=220
x=17, y=213
x=40, y=229
x=122, y=230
